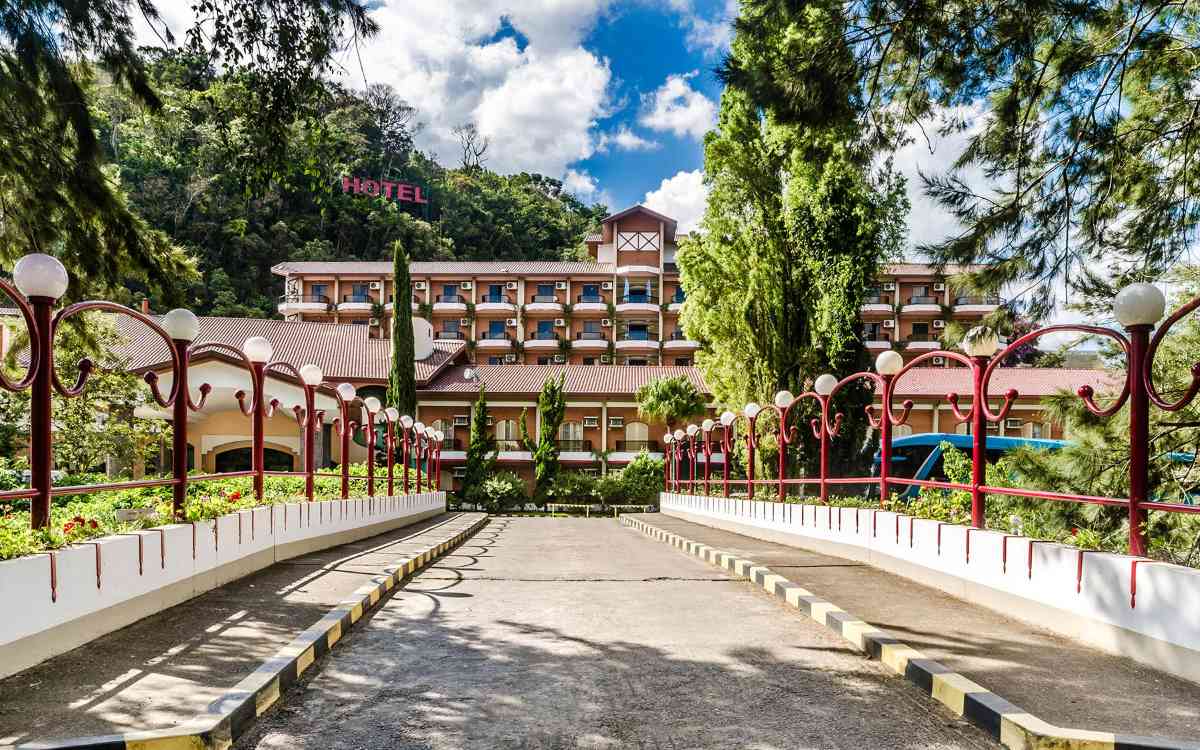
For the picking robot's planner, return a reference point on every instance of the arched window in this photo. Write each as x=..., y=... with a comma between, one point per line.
x=570, y=437
x=637, y=437
x=507, y=437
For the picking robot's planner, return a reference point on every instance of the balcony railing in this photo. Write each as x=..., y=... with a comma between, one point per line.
x=877, y=299
x=302, y=299
x=544, y=335
x=495, y=335
x=921, y=338
x=670, y=268
x=451, y=298
x=360, y=298
x=636, y=446
x=451, y=335
x=591, y=336
x=590, y=298
x=509, y=445
x=551, y=298
x=643, y=299
x=639, y=336
x=876, y=335
x=678, y=336
x=574, y=446
x=922, y=300
x=451, y=444
x=976, y=300
x=678, y=298
x=496, y=298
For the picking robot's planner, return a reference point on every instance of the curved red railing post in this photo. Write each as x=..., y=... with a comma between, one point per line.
x=437, y=466
x=390, y=437
x=751, y=442
x=692, y=432
x=257, y=455
x=179, y=430
x=823, y=436
x=41, y=444
x=1139, y=436
x=345, y=395
x=667, y=465
x=706, y=434
x=406, y=423
x=728, y=428
x=370, y=436
x=978, y=442
x=418, y=449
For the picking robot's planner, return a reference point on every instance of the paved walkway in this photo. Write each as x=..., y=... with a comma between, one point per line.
x=579, y=633
x=164, y=670
x=1057, y=679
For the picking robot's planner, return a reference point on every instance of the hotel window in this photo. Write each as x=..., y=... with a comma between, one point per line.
x=359, y=293
x=545, y=330
x=874, y=332
x=506, y=435
x=544, y=360
x=637, y=361
x=638, y=291
x=495, y=293
x=590, y=360
x=450, y=330
x=638, y=332
x=679, y=295
x=545, y=293
x=450, y=293
x=358, y=322
x=920, y=332
x=591, y=293
x=496, y=330
x=319, y=291
x=683, y=362
x=921, y=296
x=495, y=360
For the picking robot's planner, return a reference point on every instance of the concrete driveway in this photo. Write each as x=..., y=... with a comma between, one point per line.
x=578, y=633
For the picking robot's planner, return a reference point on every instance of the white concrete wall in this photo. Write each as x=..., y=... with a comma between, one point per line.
x=1146, y=610
x=57, y=601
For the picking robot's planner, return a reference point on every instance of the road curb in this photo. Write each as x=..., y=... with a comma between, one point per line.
x=1008, y=724
x=231, y=715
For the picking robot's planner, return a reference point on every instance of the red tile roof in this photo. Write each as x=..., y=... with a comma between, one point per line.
x=924, y=269
x=383, y=269
x=580, y=379
x=1030, y=382
x=343, y=352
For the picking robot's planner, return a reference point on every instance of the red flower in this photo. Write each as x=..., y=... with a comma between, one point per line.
x=93, y=524
x=69, y=527
x=235, y=495
x=1074, y=531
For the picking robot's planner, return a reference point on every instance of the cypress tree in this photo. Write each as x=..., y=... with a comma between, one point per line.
x=402, y=379
x=481, y=452
x=552, y=406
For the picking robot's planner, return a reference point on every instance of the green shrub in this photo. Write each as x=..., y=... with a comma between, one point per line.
x=609, y=489
x=573, y=487
x=504, y=490
x=642, y=480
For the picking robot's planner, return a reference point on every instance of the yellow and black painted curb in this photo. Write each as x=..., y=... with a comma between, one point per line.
x=1011, y=726
x=231, y=715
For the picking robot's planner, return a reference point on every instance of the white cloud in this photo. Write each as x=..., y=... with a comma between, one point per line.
x=677, y=108
x=626, y=140
x=581, y=184
x=710, y=36
x=682, y=197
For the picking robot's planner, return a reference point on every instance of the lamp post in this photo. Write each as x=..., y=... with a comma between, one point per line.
x=824, y=387
x=392, y=414
x=406, y=423
x=668, y=462
x=438, y=441
x=979, y=344
x=784, y=401
x=311, y=376
x=259, y=351
x=345, y=395
x=371, y=408
x=727, y=428
x=183, y=327
x=42, y=279
x=692, y=433
x=706, y=428
x=750, y=411
x=679, y=436
x=419, y=448
x=887, y=364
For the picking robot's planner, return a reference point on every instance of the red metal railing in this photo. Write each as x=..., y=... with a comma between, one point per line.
x=40, y=280
x=1138, y=308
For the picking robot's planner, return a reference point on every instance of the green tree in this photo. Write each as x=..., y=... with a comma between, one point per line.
x=552, y=407
x=1081, y=119
x=402, y=379
x=796, y=227
x=481, y=452
x=670, y=400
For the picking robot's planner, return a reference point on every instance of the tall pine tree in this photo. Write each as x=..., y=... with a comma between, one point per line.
x=481, y=452
x=402, y=379
x=552, y=407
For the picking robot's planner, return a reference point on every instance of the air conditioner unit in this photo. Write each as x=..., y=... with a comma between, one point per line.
x=420, y=286
x=466, y=285
x=375, y=321
x=510, y=358
x=939, y=324
x=606, y=286
x=376, y=286
x=939, y=287
x=889, y=286
x=559, y=359
x=462, y=420
x=606, y=323
x=616, y=423
x=464, y=321
x=938, y=361
x=560, y=285
x=560, y=322
x=511, y=286
x=889, y=324
x=591, y=421
x=1014, y=424
x=605, y=359
x=510, y=322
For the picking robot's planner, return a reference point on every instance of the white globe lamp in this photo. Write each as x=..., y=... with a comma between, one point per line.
x=181, y=324
x=40, y=275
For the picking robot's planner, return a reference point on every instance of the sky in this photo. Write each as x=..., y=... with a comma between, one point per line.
x=613, y=97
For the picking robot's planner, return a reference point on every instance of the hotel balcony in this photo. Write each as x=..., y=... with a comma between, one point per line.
x=594, y=304
x=590, y=341
x=542, y=342
x=496, y=303
x=575, y=451
x=450, y=303
x=544, y=304
x=877, y=307
x=450, y=335
x=391, y=300
x=651, y=271
x=679, y=341
x=360, y=303
x=637, y=304
x=975, y=305
x=493, y=342
x=919, y=343
x=921, y=306
x=878, y=345
x=639, y=342
x=304, y=303
x=676, y=304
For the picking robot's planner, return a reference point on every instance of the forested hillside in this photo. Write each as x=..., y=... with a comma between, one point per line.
x=189, y=171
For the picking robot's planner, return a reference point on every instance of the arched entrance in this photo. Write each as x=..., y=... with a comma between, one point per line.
x=238, y=459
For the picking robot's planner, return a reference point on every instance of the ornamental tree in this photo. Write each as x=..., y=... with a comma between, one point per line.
x=481, y=452
x=670, y=400
x=552, y=407
x=402, y=378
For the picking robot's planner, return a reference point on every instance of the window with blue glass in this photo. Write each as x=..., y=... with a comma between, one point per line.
x=638, y=332
x=495, y=329
x=545, y=329
x=591, y=293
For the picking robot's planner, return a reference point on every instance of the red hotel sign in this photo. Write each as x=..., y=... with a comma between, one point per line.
x=400, y=191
